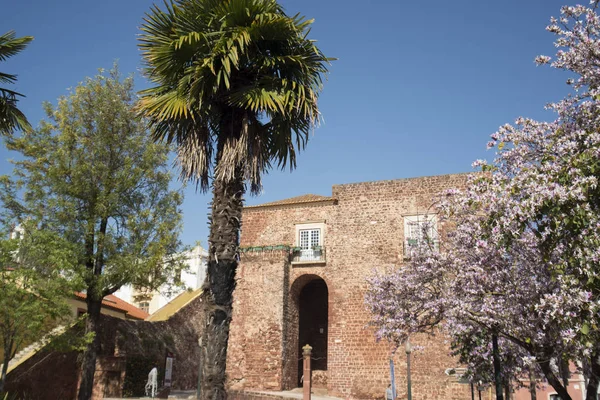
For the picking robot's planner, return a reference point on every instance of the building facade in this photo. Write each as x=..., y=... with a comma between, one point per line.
x=302, y=280
x=192, y=279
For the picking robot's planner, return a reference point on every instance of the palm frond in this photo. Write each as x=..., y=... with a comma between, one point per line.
x=11, y=118
x=11, y=45
x=240, y=76
x=7, y=78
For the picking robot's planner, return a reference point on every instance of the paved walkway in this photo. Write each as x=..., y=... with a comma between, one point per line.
x=176, y=394
x=318, y=394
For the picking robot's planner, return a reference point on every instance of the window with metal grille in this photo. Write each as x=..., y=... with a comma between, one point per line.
x=419, y=230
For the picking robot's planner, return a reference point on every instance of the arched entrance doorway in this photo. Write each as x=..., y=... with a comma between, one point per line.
x=313, y=304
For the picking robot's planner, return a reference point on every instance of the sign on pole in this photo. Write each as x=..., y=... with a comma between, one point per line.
x=168, y=370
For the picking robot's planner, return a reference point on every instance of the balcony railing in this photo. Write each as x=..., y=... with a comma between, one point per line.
x=308, y=256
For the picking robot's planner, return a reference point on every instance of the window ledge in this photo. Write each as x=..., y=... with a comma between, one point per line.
x=311, y=262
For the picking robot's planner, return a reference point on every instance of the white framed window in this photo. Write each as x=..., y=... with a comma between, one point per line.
x=144, y=306
x=419, y=230
x=309, y=242
x=309, y=238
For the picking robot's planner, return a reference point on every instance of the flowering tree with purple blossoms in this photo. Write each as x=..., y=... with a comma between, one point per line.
x=523, y=261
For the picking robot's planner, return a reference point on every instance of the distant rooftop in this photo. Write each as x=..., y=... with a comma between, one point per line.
x=305, y=198
x=112, y=301
x=175, y=305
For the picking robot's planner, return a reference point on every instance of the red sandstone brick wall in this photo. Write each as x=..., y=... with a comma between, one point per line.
x=364, y=230
x=52, y=375
x=46, y=376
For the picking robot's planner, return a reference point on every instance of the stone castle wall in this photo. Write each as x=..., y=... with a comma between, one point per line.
x=52, y=374
x=364, y=230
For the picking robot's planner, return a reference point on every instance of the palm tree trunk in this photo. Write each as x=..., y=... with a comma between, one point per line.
x=225, y=223
x=88, y=366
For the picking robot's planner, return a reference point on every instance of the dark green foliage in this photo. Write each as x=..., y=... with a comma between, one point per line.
x=91, y=176
x=33, y=292
x=11, y=118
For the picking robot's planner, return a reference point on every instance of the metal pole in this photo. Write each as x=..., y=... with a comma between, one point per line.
x=472, y=392
x=408, y=378
x=393, y=378
x=497, y=372
x=198, y=390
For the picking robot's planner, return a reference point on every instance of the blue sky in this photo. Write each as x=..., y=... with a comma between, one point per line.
x=417, y=89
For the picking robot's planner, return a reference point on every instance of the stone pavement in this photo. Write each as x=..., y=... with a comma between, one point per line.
x=176, y=394
x=317, y=394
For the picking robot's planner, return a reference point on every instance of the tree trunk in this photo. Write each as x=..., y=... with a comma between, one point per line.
x=3, y=375
x=507, y=391
x=8, y=355
x=594, y=378
x=225, y=223
x=88, y=366
x=552, y=379
x=563, y=368
x=532, y=384
x=497, y=367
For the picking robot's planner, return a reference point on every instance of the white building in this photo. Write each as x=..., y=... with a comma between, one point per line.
x=192, y=279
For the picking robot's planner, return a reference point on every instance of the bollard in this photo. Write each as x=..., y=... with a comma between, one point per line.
x=307, y=382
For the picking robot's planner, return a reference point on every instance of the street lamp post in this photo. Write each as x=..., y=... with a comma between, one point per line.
x=408, y=351
x=480, y=388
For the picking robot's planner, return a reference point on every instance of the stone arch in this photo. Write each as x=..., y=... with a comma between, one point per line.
x=308, y=305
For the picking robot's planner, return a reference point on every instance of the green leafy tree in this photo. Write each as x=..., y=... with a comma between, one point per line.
x=34, y=291
x=235, y=86
x=91, y=174
x=11, y=117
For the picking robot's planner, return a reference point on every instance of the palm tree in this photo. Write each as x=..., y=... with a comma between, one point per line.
x=235, y=87
x=11, y=117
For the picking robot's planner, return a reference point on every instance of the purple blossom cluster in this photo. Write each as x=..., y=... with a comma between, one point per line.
x=522, y=259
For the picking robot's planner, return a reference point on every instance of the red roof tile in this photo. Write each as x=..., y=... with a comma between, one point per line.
x=306, y=198
x=116, y=303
